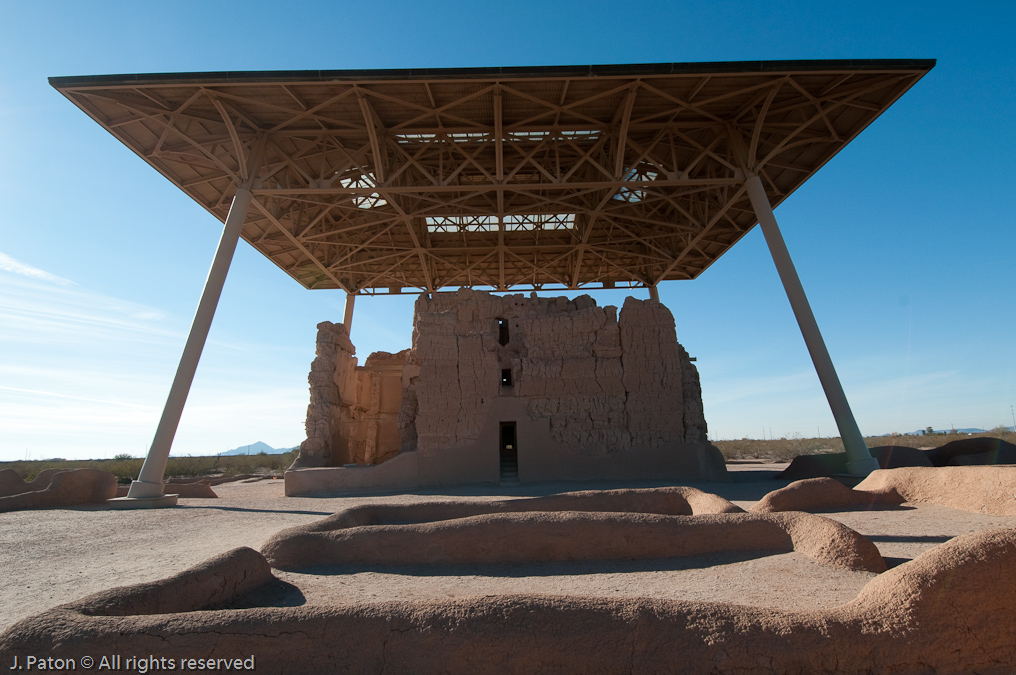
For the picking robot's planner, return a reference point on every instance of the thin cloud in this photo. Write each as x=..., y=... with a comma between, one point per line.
x=56, y=394
x=9, y=264
x=31, y=310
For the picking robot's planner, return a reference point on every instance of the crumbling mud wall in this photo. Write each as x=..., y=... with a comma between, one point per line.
x=588, y=394
x=605, y=385
x=353, y=413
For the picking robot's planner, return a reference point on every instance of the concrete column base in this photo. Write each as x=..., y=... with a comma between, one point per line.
x=862, y=467
x=162, y=501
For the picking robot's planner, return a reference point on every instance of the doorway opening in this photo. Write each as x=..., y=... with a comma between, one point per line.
x=509, y=454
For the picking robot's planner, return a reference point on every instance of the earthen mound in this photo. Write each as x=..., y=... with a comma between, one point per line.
x=948, y=611
x=591, y=525
x=682, y=501
x=63, y=488
x=542, y=536
x=831, y=464
x=980, y=450
x=822, y=494
x=211, y=583
x=981, y=489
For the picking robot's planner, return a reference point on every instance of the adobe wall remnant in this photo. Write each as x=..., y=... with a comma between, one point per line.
x=823, y=494
x=353, y=412
x=980, y=489
x=55, y=488
x=570, y=390
x=543, y=536
x=947, y=611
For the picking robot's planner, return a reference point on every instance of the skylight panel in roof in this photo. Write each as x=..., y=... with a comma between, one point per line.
x=368, y=201
x=580, y=134
x=517, y=136
x=526, y=135
x=448, y=224
x=415, y=138
x=541, y=221
x=635, y=194
x=512, y=223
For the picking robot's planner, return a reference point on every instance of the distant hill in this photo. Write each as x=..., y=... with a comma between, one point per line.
x=255, y=448
x=920, y=432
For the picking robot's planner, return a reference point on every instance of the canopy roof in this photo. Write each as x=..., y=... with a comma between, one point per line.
x=379, y=181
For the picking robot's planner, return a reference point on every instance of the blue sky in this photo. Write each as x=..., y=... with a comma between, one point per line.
x=905, y=242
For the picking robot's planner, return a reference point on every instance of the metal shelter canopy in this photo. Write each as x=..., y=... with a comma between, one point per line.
x=380, y=181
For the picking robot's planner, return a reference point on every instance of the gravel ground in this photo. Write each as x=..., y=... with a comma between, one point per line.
x=54, y=556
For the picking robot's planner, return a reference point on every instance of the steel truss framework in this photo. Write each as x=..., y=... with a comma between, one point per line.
x=511, y=178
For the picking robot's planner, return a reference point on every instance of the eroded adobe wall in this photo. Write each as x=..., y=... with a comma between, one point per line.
x=593, y=394
x=333, y=364
x=605, y=384
x=353, y=413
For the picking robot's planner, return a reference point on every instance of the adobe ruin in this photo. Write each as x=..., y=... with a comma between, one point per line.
x=504, y=388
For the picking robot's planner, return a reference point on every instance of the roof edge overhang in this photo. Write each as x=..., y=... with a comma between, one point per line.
x=509, y=72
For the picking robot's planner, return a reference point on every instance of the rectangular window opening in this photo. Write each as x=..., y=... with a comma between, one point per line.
x=506, y=377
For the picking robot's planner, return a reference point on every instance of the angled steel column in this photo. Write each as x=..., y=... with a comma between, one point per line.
x=859, y=459
x=149, y=485
x=347, y=318
x=654, y=293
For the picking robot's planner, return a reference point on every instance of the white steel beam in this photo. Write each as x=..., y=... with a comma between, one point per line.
x=347, y=318
x=149, y=485
x=859, y=459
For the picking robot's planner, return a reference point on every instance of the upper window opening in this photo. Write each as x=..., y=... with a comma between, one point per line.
x=506, y=377
x=502, y=331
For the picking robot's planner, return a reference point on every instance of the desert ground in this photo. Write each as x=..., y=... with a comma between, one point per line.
x=55, y=556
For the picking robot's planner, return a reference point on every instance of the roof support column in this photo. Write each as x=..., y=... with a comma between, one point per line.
x=859, y=459
x=347, y=318
x=654, y=293
x=147, y=490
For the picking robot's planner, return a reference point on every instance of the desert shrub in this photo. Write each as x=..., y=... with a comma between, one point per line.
x=127, y=468
x=777, y=449
x=784, y=449
x=123, y=455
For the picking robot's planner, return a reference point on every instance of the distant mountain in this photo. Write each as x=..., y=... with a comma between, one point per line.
x=255, y=448
x=920, y=432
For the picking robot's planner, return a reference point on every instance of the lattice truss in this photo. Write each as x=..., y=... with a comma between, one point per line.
x=374, y=183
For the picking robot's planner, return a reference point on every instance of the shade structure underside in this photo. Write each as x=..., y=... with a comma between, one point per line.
x=510, y=178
